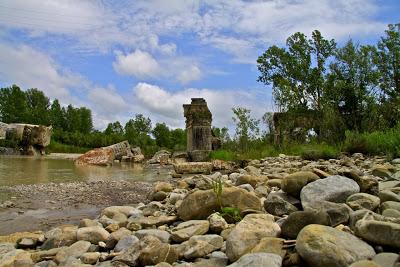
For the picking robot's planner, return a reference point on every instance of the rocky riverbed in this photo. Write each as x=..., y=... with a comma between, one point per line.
x=40, y=206
x=281, y=211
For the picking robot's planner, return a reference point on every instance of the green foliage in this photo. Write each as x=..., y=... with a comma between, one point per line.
x=246, y=127
x=217, y=188
x=223, y=155
x=229, y=213
x=322, y=152
x=385, y=142
x=56, y=147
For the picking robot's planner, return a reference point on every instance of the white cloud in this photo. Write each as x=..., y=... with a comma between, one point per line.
x=139, y=63
x=107, y=101
x=191, y=74
x=167, y=107
x=30, y=68
x=143, y=65
x=236, y=27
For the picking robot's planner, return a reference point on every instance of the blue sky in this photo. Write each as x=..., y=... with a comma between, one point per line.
x=125, y=57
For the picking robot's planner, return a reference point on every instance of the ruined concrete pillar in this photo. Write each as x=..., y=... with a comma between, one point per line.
x=198, y=127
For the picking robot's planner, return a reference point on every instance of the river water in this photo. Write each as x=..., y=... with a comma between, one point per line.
x=16, y=170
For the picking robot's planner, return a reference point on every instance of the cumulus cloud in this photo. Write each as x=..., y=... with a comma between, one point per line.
x=139, y=63
x=166, y=106
x=233, y=26
x=30, y=68
x=142, y=64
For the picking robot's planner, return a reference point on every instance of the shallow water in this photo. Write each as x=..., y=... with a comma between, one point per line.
x=15, y=170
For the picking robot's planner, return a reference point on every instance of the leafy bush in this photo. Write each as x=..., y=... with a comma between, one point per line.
x=375, y=143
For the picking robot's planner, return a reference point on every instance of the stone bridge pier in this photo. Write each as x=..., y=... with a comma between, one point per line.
x=200, y=138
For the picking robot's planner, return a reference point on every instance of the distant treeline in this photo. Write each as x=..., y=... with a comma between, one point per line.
x=73, y=126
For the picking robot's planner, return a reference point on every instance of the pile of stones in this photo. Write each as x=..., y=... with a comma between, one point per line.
x=294, y=212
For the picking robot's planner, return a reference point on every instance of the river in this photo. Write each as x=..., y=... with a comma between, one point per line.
x=51, y=190
x=16, y=170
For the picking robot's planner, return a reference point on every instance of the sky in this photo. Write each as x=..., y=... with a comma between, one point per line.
x=120, y=58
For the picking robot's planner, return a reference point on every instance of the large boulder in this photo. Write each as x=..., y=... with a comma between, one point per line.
x=321, y=245
x=293, y=183
x=202, y=203
x=105, y=156
x=333, y=189
x=276, y=205
x=248, y=233
x=193, y=167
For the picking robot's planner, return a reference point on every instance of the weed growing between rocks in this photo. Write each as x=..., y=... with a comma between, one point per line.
x=229, y=213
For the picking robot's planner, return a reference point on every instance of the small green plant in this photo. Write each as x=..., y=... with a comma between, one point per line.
x=229, y=213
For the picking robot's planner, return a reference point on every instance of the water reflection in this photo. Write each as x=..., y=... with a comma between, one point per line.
x=32, y=170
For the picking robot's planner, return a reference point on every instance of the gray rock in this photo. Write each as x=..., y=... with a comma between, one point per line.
x=276, y=205
x=381, y=233
x=246, y=187
x=153, y=251
x=322, y=245
x=75, y=250
x=386, y=259
x=201, y=245
x=367, y=214
x=188, y=229
x=364, y=263
x=338, y=213
x=387, y=195
x=93, y=234
x=390, y=205
x=391, y=213
x=164, y=236
x=334, y=189
x=293, y=183
x=126, y=242
x=363, y=201
x=217, y=223
x=90, y=257
x=248, y=232
x=258, y=259
x=202, y=203
x=60, y=236
x=300, y=219
x=130, y=255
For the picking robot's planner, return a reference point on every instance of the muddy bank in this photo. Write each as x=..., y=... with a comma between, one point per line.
x=41, y=206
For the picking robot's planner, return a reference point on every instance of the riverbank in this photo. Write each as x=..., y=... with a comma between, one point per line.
x=41, y=206
x=278, y=212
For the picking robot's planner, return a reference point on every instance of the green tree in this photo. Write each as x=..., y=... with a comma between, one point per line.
x=178, y=139
x=352, y=83
x=162, y=135
x=85, y=120
x=246, y=127
x=13, y=105
x=114, y=128
x=222, y=134
x=297, y=74
x=388, y=62
x=57, y=118
x=138, y=130
x=38, y=107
